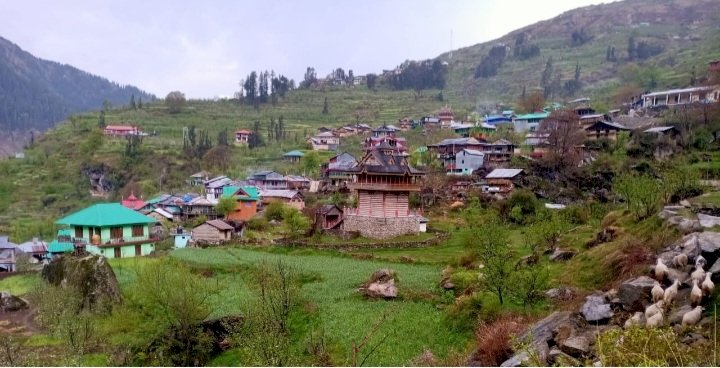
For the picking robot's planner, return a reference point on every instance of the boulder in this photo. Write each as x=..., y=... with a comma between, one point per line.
x=709, y=243
x=380, y=285
x=11, y=303
x=634, y=294
x=666, y=214
x=545, y=331
x=685, y=203
x=596, y=309
x=558, y=358
x=684, y=224
x=707, y=220
x=715, y=269
x=91, y=275
x=562, y=255
x=677, y=315
x=576, y=346
x=561, y=293
x=518, y=360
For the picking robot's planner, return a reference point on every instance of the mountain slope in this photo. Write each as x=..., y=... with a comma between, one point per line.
x=687, y=31
x=36, y=93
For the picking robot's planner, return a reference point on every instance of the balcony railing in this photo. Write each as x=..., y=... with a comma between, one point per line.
x=347, y=211
x=118, y=241
x=385, y=186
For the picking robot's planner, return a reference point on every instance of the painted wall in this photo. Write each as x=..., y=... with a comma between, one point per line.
x=127, y=251
x=181, y=241
x=105, y=233
x=244, y=210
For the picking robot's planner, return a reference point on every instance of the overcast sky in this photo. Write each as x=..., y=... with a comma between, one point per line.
x=204, y=48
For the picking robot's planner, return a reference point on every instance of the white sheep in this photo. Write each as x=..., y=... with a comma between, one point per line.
x=656, y=320
x=700, y=261
x=671, y=293
x=696, y=294
x=657, y=292
x=661, y=270
x=638, y=319
x=698, y=275
x=708, y=286
x=654, y=309
x=692, y=317
x=681, y=260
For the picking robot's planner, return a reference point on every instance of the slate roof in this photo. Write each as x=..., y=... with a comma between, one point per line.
x=503, y=173
x=344, y=161
x=220, y=225
x=105, y=214
x=660, y=129
x=6, y=244
x=606, y=124
x=330, y=209
x=279, y=193
x=474, y=152
x=387, y=164
x=34, y=246
x=458, y=141
x=325, y=135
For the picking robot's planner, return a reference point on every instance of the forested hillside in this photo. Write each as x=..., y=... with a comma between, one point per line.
x=36, y=93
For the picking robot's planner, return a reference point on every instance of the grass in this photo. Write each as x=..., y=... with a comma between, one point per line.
x=19, y=284
x=345, y=317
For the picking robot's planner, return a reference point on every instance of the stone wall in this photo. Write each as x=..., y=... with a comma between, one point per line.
x=351, y=245
x=381, y=228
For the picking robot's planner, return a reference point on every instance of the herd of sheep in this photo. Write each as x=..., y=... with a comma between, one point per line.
x=702, y=286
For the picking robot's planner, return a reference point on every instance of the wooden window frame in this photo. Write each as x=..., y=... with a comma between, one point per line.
x=114, y=231
x=138, y=231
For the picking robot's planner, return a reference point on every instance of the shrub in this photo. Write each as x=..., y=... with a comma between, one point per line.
x=464, y=313
x=523, y=205
x=659, y=347
x=258, y=224
x=275, y=211
x=577, y=214
x=494, y=339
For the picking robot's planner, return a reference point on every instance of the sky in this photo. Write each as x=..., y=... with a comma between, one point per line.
x=204, y=48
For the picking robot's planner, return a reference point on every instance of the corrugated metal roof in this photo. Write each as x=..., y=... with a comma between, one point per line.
x=6, y=244
x=105, y=214
x=279, y=193
x=679, y=90
x=220, y=225
x=474, y=152
x=503, y=173
x=659, y=129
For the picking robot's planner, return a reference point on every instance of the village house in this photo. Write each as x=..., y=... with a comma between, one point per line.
x=247, y=198
x=117, y=130
x=502, y=180
x=446, y=117
x=463, y=129
x=495, y=153
x=529, y=122
x=181, y=238
x=62, y=244
x=199, y=206
x=466, y=162
x=111, y=230
x=214, y=187
x=199, y=178
x=430, y=121
x=298, y=182
x=133, y=203
x=399, y=144
x=242, y=137
x=170, y=203
x=604, y=129
x=535, y=145
x=7, y=255
x=336, y=171
x=345, y=131
x=681, y=96
x=669, y=131
x=292, y=198
x=326, y=141
x=293, y=156
x=383, y=130
x=36, y=249
x=405, y=123
x=160, y=215
x=328, y=217
x=382, y=182
x=267, y=179
x=212, y=232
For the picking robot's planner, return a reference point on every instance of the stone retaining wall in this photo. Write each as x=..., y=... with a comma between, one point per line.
x=439, y=236
x=381, y=228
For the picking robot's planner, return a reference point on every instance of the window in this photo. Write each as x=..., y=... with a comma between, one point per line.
x=138, y=230
x=116, y=232
x=78, y=231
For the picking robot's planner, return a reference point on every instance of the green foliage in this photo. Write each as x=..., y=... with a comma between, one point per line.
x=296, y=222
x=497, y=263
x=528, y=284
x=548, y=232
x=226, y=205
x=258, y=224
x=639, y=346
x=520, y=208
x=275, y=210
x=642, y=193
x=311, y=163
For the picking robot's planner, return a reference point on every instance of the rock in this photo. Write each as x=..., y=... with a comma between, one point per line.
x=715, y=269
x=220, y=329
x=447, y=284
x=606, y=235
x=596, y=309
x=634, y=294
x=707, y=220
x=675, y=274
x=517, y=360
x=380, y=285
x=11, y=303
x=562, y=255
x=709, y=243
x=91, y=275
x=576, y=346
x=677, y=315
x=561, y=293
x=693, y=339
x=685, y=203
x=666, y=214
x=546, y=329
x=684, y=224
x=558, y=358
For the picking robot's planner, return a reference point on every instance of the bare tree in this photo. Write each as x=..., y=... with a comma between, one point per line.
x=564, y=135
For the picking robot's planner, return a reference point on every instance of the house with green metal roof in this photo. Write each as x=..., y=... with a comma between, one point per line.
x=62, y=244
x=110, y=230
x=247, y=198
x=293, y=156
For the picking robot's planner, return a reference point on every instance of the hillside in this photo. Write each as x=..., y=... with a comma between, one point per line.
x=685, y=30
x=37, y=93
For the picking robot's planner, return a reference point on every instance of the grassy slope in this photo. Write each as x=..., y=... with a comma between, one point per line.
x=687, y=29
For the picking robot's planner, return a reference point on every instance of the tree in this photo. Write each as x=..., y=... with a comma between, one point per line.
x=642, y=193
x=574, y=85
x=132, y=145
x=528, y=284
x=493, y=252
x=564, y=135
x=222, y=138
x=548, y=232
x=226, y=205
x=255, y=138
x=132, y=102
x=631, y=49
x=325, y=107
x=311, y=163
x=546, y=78
x=175, y=101
x=532, y=103
x=101, y=119
x=296, y=222
x=309, y=79
x=371, y=79
x=140, y=104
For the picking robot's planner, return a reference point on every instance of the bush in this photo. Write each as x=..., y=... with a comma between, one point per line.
x=577, y=214
x=258, y=224
x=494, y=340
x=522, y=205
x=660, y=347
x=275, y=211
x=464, y=313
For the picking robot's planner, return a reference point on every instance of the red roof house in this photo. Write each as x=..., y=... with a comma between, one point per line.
x=133, y=202
x=121, y=130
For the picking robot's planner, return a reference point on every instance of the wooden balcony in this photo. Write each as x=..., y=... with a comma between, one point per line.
x=386, y=187
x=118, y=242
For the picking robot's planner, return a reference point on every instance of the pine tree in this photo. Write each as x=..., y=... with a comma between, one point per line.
x=325, y=107
x=132, y=102
x=101, y=119
x=631, y=48
x=139, y=104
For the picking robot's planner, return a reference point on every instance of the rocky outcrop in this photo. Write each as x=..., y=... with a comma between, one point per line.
x=381, y=285
x=634, y=294
x=562, y=255
x=560, y=294
x=548, y=332
x=91, y=276
x=684, y=224
x=596, y=309
x=11, y=303
x=576, y=346
x=708, y=221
